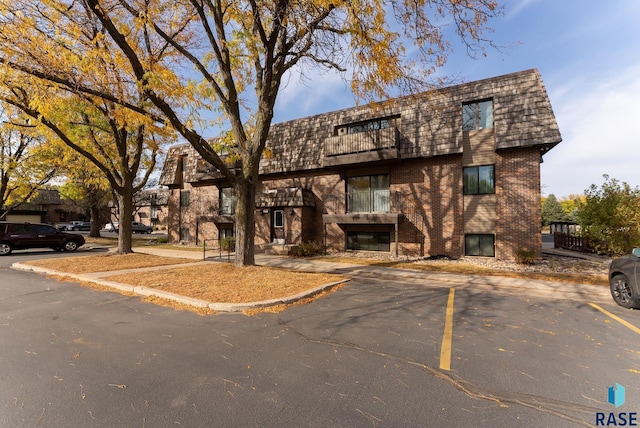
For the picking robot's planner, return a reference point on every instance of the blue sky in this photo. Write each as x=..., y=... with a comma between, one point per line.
x=588, y=53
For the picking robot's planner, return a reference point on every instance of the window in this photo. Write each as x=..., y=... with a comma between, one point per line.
x=184, y=234
x=185, y=197
x=182, y=167
x=225, y=232
x=479, y=180
x=368, y=193
x=478, y=115
x=368, y=126
x=227, y=201
x=278, y=218
x=479, y=245
x=369, y=241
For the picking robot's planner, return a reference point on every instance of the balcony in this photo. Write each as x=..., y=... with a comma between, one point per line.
x=362, y=147
x=366, y=206
x=223, y=213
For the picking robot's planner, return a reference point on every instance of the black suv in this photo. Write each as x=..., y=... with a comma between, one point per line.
x=20, y=236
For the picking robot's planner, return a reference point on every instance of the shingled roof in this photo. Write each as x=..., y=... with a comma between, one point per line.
x=430, y=124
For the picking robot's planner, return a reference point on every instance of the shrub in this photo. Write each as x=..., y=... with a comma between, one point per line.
x=526, y=256
x=610, y=217
x=306, y=249
x=228, y=244
x=162, y=240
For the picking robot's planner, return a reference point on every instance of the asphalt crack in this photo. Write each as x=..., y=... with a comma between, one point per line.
x=551, y=406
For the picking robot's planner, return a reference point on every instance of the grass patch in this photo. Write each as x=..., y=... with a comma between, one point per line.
x=472, y=269
x=108, y=241
x=213, y=282
x=221, y=282
x=178, y=247
x=106, y=262
x=480, y=270
x=101, y=241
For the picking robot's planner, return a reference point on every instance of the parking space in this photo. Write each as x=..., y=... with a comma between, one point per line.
x=535, y=350
x=386, y=317
x=379, y=351
x=556, y=355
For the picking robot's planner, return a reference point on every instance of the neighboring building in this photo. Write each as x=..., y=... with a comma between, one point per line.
x=449, y=172
x=150, y=207
x=47, y=206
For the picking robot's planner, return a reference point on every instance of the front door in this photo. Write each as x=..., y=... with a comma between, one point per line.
x=277, y=226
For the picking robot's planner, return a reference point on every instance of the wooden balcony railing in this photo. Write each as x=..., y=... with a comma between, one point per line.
x=378, y=139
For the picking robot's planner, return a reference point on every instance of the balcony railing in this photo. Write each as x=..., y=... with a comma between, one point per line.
x=227, y=209
x=378, y=139
x=369, y=200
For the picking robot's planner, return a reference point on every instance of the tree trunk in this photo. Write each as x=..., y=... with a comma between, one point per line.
x=125, y=202
x=245, y=222
x=94, y=232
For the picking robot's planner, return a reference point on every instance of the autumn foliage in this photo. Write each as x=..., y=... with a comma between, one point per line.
x=202, y=65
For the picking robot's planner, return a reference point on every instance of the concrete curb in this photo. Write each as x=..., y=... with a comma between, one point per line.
x=189, y=301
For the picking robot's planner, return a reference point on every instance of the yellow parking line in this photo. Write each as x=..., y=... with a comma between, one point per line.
x=620, y=320
x=445, y=350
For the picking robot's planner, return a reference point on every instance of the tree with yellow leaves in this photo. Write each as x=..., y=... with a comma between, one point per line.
x=85, y=186
x=113, y=131
x=25, y=165
x=231, y=57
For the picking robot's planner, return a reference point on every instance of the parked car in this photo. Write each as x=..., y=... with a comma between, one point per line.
x=624, y=280
x=20, y=236
x=74, y=225
x=79, y=225
x=136, y=227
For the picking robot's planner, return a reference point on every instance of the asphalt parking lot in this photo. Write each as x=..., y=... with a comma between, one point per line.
x=370, y=354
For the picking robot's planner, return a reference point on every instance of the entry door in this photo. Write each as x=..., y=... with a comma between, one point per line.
x=277, y=226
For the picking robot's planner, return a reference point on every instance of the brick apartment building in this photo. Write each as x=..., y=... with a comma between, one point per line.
x=449, y=172
x=150, y=207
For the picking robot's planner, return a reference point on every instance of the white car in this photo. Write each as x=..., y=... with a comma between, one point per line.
x=136, y=227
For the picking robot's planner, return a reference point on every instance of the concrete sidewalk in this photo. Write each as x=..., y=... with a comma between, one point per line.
x=538, y=288
x=558, y=290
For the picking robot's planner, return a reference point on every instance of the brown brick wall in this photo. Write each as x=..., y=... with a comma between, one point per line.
x=329, y=190
x=429, y=193
x=518, y=205
x=198, y=217
x=263, y=227
x=173, y=219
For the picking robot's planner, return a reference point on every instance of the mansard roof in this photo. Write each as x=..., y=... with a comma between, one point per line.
x=429, y=124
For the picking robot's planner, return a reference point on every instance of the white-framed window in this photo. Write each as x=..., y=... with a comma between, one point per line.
x=278, y=218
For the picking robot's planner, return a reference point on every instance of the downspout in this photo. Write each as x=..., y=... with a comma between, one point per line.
x=396, y=225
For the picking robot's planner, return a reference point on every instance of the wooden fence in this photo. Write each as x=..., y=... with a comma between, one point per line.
x=571, y=242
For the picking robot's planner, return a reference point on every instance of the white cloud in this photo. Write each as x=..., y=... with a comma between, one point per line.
x=600, y=136
x=513, y=9
x=311, y=91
